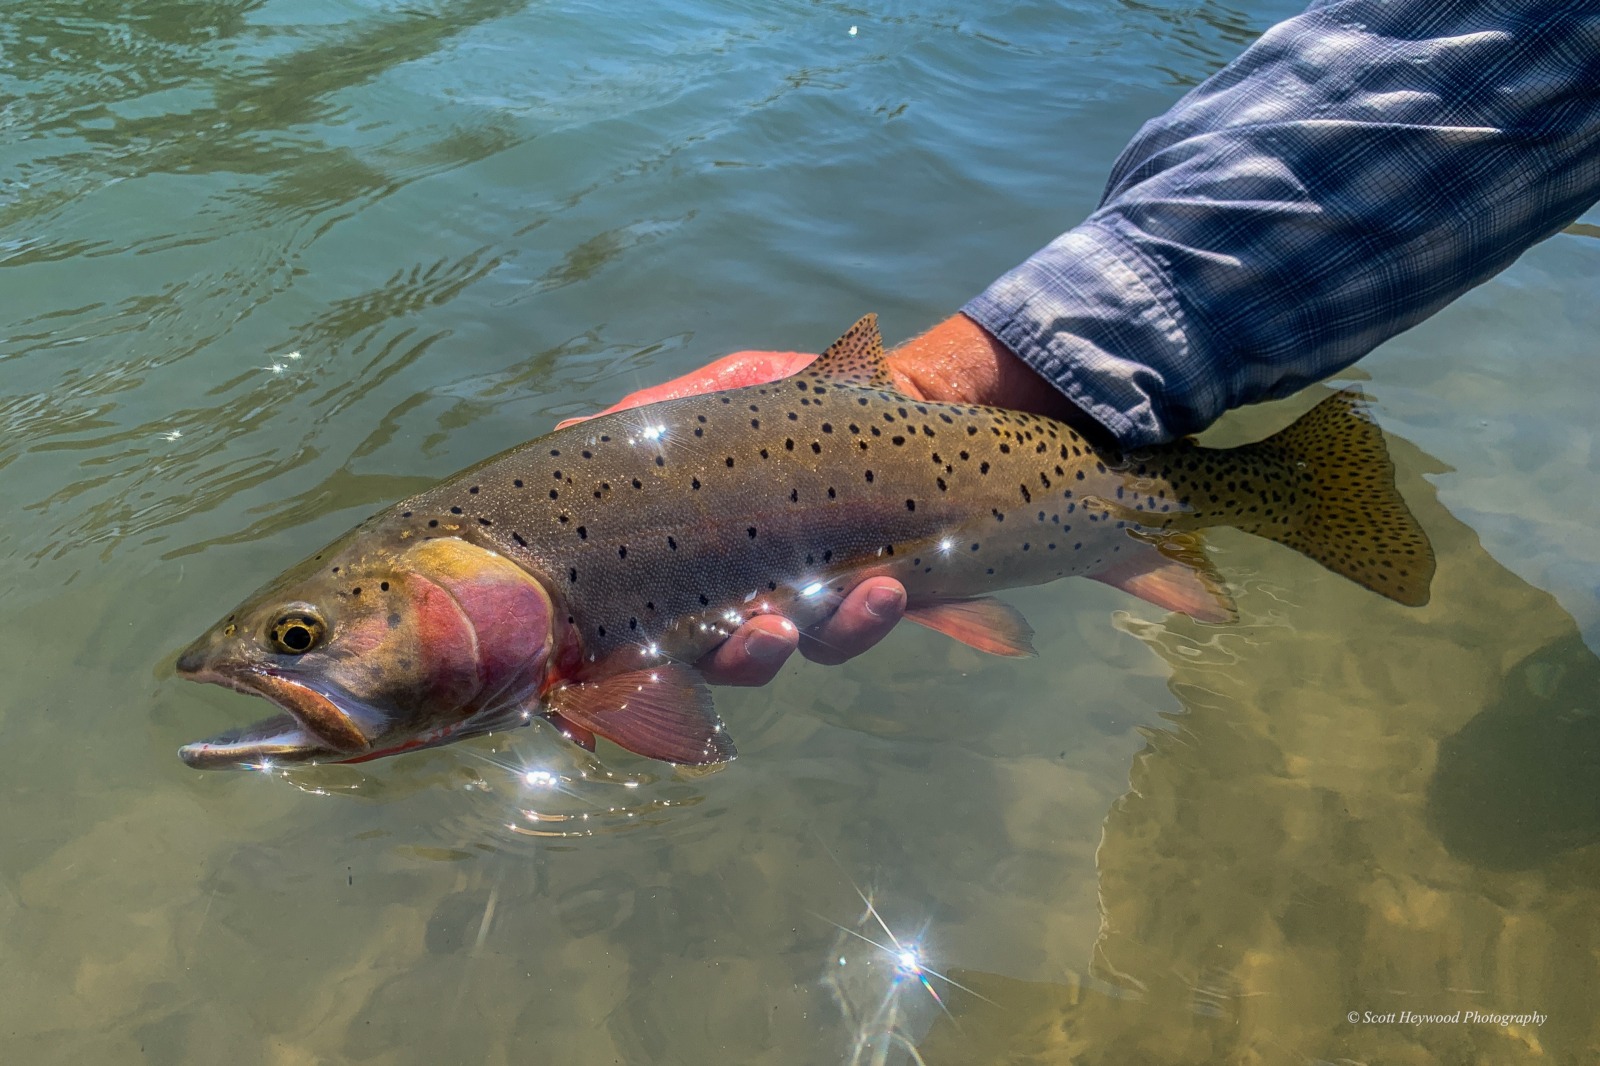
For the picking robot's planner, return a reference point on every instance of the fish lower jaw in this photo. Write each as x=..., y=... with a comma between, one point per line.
x=308, y=727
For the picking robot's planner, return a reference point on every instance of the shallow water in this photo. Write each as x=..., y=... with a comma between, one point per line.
x=265, y=266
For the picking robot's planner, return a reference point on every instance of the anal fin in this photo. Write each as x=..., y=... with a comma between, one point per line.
x=660, y=712
x=1171, y=570
x=984, y=623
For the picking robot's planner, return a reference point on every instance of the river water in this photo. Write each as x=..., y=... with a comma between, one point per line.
x=267, y=265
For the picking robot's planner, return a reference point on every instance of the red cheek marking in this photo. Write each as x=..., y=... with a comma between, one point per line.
x=507, y=612
x=447, y=657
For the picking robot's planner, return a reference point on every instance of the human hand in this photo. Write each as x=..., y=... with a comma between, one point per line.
x=955, y=362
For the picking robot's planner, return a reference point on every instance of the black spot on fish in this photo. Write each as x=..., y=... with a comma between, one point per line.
x=473, y=490
x=672, y=543
x=588, y=454
x=583, y=532
x=485, y=522
x=763, y=453
x=752, y=532
x=694, y=483
x=518, y=538
x=827, y=427
x=356, y=591
x=455, y=510
x=704, y=600
x=729, y=461
x=831, y=493
x=661, y=460
x=755, y=423
x=869, y=477
x=555, y=452
x=793, y=417
x=572, y=574
x=897, y=441
x=622, y=551
x=393, y=620
x=816, y=449
x=911, y=505
x=433, y=523
x=554, y=495
x=600, y=630
x=405, y=514
x=638, y=484
x=516, y=483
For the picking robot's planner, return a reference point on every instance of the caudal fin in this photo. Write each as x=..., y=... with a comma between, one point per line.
x=1358, y=526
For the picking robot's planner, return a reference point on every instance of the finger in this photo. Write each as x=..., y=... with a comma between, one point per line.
x=864, y=617
x=730, y=372
x=754, y=654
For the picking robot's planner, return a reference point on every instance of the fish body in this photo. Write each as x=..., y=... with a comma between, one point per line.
x=580, y=576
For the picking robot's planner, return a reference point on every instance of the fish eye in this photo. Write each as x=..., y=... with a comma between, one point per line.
x=297, y=633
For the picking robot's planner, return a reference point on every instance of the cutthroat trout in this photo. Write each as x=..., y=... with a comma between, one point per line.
x=581, y=576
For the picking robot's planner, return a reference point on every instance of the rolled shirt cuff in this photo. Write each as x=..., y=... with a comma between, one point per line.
x=1101, y=323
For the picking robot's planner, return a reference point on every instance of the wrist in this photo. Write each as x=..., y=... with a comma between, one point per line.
x=958, y=361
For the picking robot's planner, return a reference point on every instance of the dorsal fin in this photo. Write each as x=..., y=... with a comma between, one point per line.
x=855, y=358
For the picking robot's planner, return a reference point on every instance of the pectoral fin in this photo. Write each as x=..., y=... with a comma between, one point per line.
x=1171, y=570
x=662, y=712
x=984, y=623
x=572, y=731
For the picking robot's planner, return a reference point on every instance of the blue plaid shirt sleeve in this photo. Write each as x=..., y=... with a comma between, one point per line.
x=1359, y=167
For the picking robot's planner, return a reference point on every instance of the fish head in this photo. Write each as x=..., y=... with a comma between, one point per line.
x=376, y=647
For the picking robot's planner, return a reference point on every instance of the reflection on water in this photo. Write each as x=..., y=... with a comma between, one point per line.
x=268, y=265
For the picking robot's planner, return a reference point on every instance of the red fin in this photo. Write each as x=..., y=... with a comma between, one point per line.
x=985, y=624
x=575, y=733
x=1172, y=571
x=662, y=712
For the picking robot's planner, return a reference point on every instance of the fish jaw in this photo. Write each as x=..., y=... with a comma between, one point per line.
x=309, y=728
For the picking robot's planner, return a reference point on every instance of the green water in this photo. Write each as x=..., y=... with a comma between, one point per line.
x=267, y=265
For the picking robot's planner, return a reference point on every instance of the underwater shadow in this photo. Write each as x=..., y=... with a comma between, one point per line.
x=1516, y=786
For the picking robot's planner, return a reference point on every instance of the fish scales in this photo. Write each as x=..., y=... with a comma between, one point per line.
x=771, y=489
x=632, y=542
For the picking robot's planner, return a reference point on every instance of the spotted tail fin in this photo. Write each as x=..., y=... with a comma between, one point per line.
x=1357, y=526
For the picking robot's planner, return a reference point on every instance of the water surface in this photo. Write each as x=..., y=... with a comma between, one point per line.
x=267, y=265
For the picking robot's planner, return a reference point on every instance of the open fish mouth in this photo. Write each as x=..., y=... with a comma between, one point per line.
x=276, y=740
x=310, y=727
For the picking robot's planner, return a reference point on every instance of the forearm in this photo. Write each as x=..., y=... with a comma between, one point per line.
x=1332, y=187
